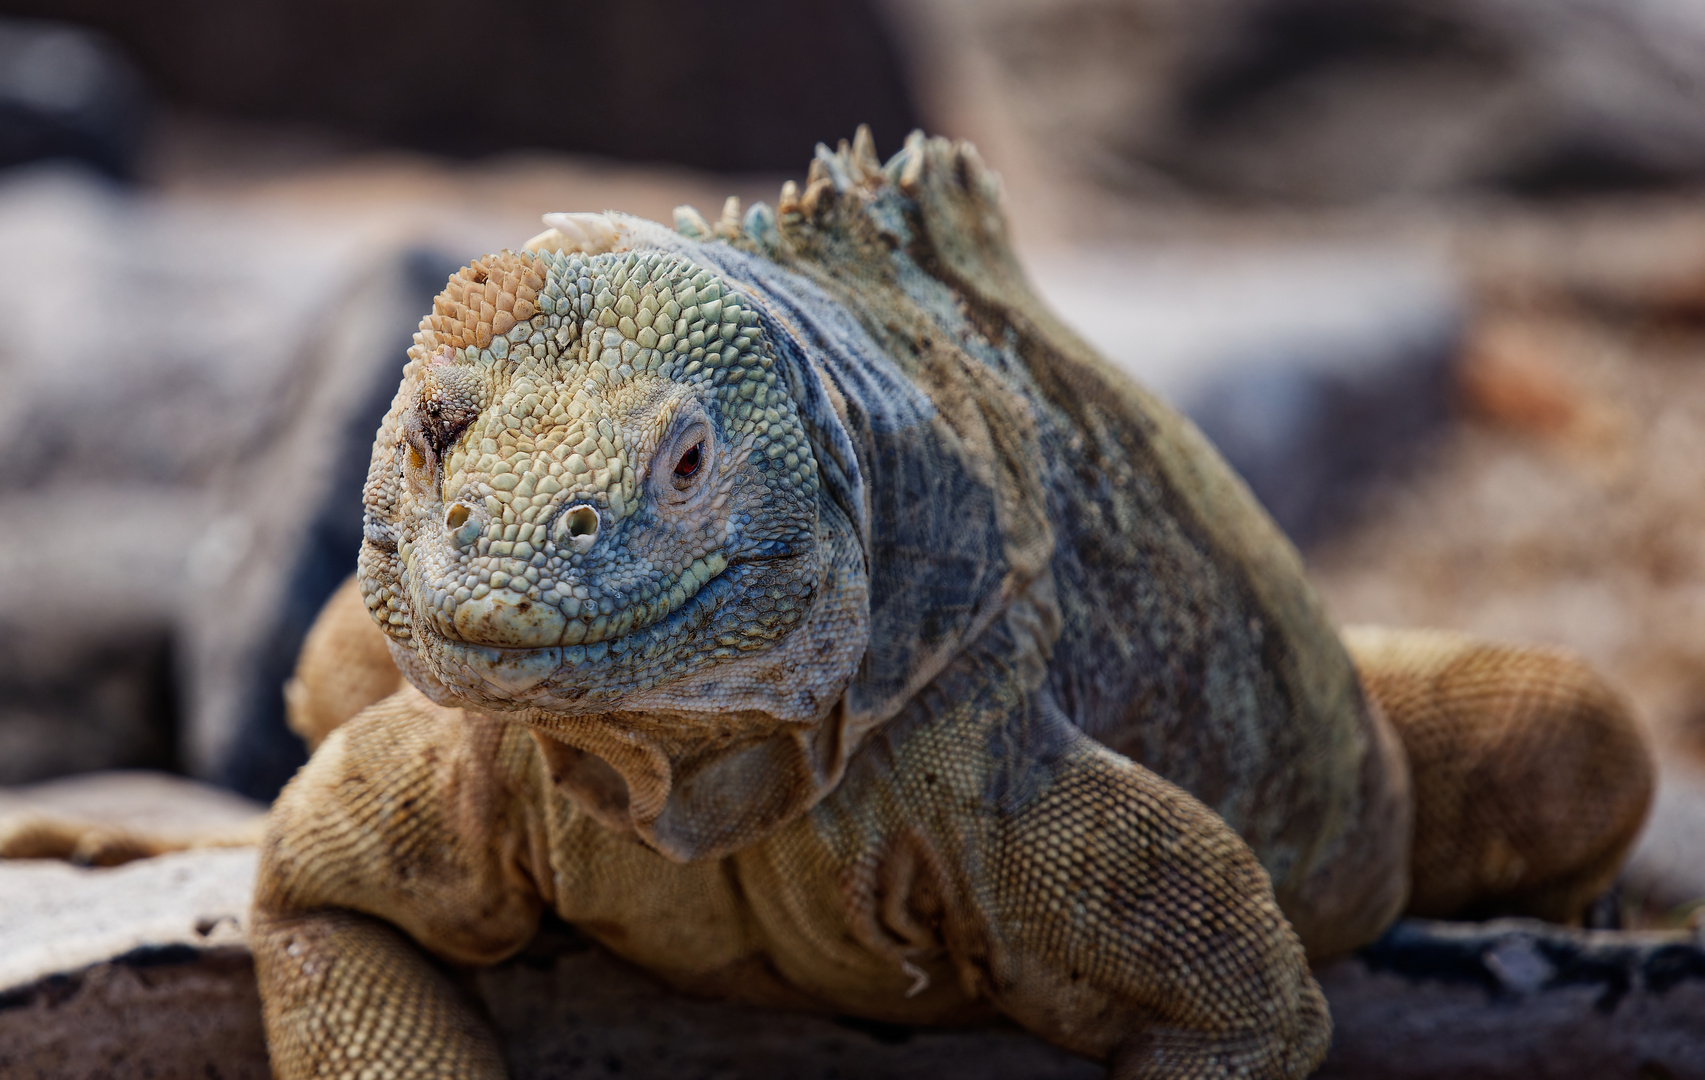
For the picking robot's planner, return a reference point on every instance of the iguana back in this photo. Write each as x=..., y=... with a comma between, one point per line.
x=1010, y=472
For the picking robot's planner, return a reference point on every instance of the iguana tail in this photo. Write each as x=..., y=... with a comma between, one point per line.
x=1531, y=777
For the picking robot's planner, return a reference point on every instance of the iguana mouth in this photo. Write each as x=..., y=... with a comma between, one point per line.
x=514, y=620
x=575, y=669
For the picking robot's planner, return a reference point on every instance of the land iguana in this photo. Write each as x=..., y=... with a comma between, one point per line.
x=794, y=605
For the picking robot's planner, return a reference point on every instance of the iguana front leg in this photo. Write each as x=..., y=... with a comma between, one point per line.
x=1138, y=928
x=347, y=996
x=413, y=812
x=1097, y=904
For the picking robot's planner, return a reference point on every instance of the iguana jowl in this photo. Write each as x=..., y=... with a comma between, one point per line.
x=794, y=605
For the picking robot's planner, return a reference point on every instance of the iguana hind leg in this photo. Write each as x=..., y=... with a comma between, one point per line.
x=1531, y=776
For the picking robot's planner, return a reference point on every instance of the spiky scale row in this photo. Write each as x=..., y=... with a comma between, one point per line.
x=833, y=174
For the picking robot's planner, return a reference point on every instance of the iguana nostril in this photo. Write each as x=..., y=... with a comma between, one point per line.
x=456, y=516
x=582, y=521
x=576, y=526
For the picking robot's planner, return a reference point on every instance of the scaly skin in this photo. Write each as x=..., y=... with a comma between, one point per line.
x=798, y=608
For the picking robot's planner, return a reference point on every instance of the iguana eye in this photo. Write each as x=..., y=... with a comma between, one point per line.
x=684, y=461
x=420, y=461
x=442, y=424
x=689, y=463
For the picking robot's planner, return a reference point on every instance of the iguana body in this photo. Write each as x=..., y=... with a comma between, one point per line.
x=811, y=619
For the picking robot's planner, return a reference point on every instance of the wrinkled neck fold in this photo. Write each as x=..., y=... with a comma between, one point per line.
x=690, y=802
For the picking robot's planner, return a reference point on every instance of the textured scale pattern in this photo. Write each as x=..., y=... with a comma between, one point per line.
x=1531, y=775
x=610, y=329
x=792, y=604
x=1230, y=996
x=364, y=1006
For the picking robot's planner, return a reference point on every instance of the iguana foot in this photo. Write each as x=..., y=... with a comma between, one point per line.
x=349, y=997
x=1531, y=776
x=93, y=843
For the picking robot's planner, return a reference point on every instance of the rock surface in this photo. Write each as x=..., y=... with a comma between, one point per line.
x=1520, y=999
x=188, y=415
x=87, y=677
x=141, y=971
x=147, y=801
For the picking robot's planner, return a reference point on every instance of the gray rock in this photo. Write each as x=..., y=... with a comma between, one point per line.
x=101, y=1021
x=187, y=417
x=287, y=524
x=1519, y=999
x=88, y=633
x=140, y=971
x=57, y=919
x=1316, y=370
x=143, y=800
x=155, y=343
x=1665, y=870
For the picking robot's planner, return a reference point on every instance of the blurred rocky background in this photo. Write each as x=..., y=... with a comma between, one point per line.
x=1431, y=274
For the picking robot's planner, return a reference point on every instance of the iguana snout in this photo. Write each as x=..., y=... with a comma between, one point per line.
x=610, y=511
x=597, y=485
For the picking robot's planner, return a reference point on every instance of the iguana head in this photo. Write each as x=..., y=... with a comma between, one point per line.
x=598, y=502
